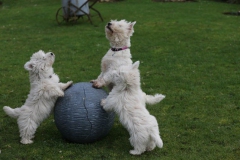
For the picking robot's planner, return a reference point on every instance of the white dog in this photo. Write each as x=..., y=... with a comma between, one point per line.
x=118, y=33
x=45, y=89
x=128, y=101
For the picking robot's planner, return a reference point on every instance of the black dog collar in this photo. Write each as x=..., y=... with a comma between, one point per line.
x=118, y=49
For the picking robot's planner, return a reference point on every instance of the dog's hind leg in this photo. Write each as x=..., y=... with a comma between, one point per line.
x=27, y=128
x=157, y=140
x=139, y=144
x=151, y=145
x=14, y=113
x=138, y=150
x=154, y=135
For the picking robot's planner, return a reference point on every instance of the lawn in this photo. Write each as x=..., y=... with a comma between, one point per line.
x=188, y=52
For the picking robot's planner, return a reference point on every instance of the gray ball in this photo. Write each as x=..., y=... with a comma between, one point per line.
x=79, y=116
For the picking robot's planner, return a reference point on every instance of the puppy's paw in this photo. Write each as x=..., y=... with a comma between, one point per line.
x=92, y=81
x=151, y=147
x=26, y=141
x=6, y=108
x=97, y=84
x=160, y=97
x=135, y=152
x=103, y=102
x=69, y=83
x=60, y=93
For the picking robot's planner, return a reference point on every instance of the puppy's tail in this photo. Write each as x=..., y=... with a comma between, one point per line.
x=157, y=140
x=14, y=113
x=154, y=99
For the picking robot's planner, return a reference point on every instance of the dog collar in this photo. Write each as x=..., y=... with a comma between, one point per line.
x=119, y=49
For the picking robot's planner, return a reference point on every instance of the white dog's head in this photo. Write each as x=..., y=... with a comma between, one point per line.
x=40, y=64
x=127, y=76
x=119, y=32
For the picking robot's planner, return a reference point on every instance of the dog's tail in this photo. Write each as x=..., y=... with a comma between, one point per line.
x=157, y=140
x=154, y=99
x=14, y=113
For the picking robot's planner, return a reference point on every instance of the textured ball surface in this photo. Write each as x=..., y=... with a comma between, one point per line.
x=79, y=116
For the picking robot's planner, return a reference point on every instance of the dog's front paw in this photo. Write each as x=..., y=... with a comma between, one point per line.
x=103, y=102
x=69, y=83
x=26, y=141
x=97, y=84
x=92, y=81
x=61, y=93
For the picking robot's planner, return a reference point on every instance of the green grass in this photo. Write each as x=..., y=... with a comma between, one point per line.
x=188, y=51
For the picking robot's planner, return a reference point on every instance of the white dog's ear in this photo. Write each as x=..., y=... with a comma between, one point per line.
x=135, y=65
x=131, y=25
x=130, y=28
x=41, y=51
x=29, y=66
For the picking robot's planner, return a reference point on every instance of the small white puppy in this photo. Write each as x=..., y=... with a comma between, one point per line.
x=44, y=91
x=118, y=33
x=128, y=101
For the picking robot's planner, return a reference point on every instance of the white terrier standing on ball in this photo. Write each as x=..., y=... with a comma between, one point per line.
x=44, y=91
x=118, y=33
x=128, y=101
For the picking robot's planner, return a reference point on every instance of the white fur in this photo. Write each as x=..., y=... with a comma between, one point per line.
x=128, y=101
x=44, y=91
x=118, y=33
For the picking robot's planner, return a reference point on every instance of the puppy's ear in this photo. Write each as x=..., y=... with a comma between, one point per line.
x=29, y=66
x=130, y=28
x=135, y=65
x=133, y=23
x=41, y=51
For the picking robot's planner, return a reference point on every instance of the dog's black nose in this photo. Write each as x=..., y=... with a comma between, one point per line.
x=109, y=24
x=51, y=54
